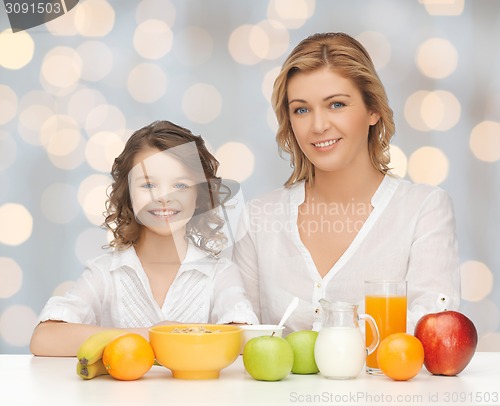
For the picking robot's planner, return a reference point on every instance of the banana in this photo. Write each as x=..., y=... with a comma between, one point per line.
x=92, y=348
x=92, y=370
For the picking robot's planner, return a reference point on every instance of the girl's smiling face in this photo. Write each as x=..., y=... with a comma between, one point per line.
x=163, y=192
x=329, y=119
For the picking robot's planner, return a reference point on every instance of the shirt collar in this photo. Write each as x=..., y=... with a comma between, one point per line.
x=382, y=195
x=195, y=259
x=385, y=191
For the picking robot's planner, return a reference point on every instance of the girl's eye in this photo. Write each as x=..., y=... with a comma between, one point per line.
x=148, y=185
x=301, y=110
x=337, y=105
x=181, y=186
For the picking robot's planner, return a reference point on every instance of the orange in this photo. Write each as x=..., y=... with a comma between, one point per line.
x=128, y=357
x=400, y=356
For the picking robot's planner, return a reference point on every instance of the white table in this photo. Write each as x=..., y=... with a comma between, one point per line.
x=28, y=380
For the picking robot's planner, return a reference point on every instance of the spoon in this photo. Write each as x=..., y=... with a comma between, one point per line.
x=289, y=310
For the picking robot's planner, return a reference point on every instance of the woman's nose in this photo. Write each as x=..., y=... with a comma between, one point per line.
x=321, y=122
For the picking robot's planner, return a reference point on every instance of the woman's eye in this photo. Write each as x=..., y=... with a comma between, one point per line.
x=301, y=110
x=181, y=186
x=148, y=185
x=337, y=105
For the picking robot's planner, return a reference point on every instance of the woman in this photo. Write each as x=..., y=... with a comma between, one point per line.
x=342, y=217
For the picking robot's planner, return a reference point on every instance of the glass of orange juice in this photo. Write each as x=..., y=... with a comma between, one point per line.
x=385, y=301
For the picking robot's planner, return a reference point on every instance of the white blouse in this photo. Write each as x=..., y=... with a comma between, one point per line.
x=114, y=291
x=409, y=235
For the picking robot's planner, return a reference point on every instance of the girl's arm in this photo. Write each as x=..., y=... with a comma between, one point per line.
x=60, y=339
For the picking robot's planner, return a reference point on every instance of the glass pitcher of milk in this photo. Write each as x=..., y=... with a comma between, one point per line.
x=340, y=351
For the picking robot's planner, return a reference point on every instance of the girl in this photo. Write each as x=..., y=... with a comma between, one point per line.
x=342, y=217
x=164, y=266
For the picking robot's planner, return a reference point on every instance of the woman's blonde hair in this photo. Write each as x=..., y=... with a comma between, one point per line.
x=204, y=230
x=348, y=58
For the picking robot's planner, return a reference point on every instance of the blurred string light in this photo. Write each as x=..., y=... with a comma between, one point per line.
x=444, y=7
x=16, y=50
x=477, y=281
x=90, y=52
x=147, y=82
x=432, y=110
x=237, y=161
x=153, y=39
x=485, y=141
x=428, y=165
x=292, y=14
x=8, y=150
x=17, y=224
x=8, y=104
x=437, y=58
x=11, y=276
x=202, y=103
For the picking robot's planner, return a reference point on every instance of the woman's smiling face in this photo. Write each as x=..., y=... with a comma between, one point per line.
x=329, y=119
x=162, y=190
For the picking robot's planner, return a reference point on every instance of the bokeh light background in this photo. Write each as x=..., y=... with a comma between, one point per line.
x=73, y=90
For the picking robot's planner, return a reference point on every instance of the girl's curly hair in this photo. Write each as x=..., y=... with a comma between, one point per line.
x=204, y=231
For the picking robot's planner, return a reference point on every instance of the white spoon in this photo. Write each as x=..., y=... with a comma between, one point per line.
x=289, y=310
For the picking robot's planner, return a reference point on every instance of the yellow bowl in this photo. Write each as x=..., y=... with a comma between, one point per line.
x=196, y=355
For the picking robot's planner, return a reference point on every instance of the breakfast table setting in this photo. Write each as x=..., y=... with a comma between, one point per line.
x=32, y=380
x=227, y=364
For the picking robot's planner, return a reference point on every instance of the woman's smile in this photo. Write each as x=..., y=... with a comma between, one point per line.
x=327, y=144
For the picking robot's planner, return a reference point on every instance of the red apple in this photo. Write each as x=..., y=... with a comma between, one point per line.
x=449, y=339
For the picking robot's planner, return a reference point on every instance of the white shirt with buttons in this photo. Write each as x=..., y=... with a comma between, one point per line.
x=409, y=235
x=114, y=291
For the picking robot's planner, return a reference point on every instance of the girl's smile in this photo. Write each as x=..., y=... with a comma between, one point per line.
x=163, y=214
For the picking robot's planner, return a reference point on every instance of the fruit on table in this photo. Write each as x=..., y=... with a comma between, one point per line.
x=128, y=357
x=400, y=356
x=268, y=358
x=91, y=371
x=449, y=339
x=302, y=343
x=92, y=348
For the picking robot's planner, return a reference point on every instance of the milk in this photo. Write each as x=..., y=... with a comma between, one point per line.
x=340, y=352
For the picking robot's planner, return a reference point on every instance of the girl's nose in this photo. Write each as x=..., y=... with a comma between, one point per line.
x=163, y=196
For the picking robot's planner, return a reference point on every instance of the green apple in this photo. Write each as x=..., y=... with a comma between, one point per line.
x=302, y=343
x=268, y=358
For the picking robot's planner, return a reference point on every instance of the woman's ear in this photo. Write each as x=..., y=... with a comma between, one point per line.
x=374, y=117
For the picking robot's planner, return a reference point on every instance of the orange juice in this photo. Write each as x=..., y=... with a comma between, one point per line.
x=389, y=313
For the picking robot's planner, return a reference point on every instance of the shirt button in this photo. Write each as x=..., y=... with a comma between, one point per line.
x=316, y=310
x=318, y=285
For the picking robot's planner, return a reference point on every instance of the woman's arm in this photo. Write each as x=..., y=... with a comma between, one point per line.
x=230, y=304
x=434, y=265
x=245, y=259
